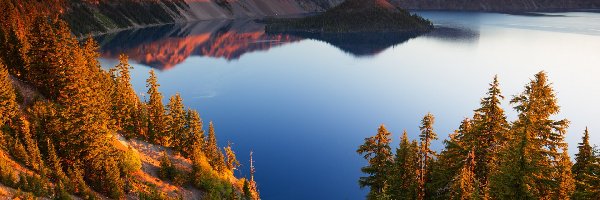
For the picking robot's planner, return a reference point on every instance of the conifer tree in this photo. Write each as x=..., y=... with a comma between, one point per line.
x=426, y=154
x=585, y=170
x=529, y=168
x=126, y=102
x=232, y=162
x=404, y=181
x=378, y=153
x=194, y=132
x=34, y=157
x=8, y=103
x=450, y=161
x=465, y=185
x=156, y=113
x=177, y=122
x=57, y=173
x=490, y=133
x=212, y=151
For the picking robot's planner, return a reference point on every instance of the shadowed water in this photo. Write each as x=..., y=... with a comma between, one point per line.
x=304, y=103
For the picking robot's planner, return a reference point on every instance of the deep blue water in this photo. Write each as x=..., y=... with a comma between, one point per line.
x=305, y=105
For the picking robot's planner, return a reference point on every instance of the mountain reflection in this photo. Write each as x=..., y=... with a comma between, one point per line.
x=163, y=47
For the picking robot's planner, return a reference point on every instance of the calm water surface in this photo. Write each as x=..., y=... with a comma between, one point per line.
x=304, y=103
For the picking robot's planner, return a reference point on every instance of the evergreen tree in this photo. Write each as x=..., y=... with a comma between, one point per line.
x=212, y=151
x=156, y=113
x=465, y=185
x=490, y=134
x=8, y=103
x=167, y=170
x=376, y=150
x=404, y=181
x=177, y=122
x=450, y=161
x=529, y=168
x=426, y=136
x=54, y=164
x=126, y=102
x=194, y=132
x=34, y=157
x=232, y=162
x=585, y=170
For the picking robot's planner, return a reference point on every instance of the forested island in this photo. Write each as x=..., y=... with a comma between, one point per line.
x=354, y=16
x=70, y=129
x=487, y=157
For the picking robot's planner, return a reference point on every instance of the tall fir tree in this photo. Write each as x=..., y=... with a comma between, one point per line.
x=426, y=154
x=194, y=132
x=213, y=153
x=450, y=161
x=232, y=162
x=490, y=133
x=530, y=167
x=157, y=127
x=465, y=185
x=404, y=179
x=177, y=122
x=378, y=153
x=125, y=101
x=585, y=170
x=8, y=103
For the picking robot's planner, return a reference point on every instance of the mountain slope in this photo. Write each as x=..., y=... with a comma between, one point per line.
x=104, y=16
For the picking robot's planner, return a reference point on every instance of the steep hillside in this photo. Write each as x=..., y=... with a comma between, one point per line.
x=103, y=16
x=499, y=5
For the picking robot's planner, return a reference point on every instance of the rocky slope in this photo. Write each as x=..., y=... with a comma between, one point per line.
x=101, y=16
x=499, y=5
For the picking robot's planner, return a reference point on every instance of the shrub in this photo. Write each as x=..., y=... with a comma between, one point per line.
x=130, y=161
x=167, y=170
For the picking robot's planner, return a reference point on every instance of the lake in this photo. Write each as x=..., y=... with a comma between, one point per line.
x=304, y=103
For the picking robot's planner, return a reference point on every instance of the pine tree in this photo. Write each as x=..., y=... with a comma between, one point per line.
x=465, y=185
x=194, y=132
x=450, y=161
x=167, y=170
x=156, y=113
x=529, y=168
x=566, y=182
x=490, y=133
x=585, y=170
x=177, y=122
x=404, y=180
x=126, y=102
x=212, y=151
x=232, y=162
x=8, y=103
x=54, y=164
x=426, y=136
x=34, y=157
x=376, y=150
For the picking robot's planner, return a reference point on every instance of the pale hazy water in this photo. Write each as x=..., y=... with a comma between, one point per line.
x=305, y=107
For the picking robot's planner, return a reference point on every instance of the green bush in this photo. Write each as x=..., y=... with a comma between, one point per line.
x=130, y=161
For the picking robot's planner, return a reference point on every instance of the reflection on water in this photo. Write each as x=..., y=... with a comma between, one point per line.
x=163, y=47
